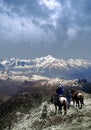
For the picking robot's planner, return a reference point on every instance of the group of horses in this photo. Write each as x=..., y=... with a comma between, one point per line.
x=61, y=102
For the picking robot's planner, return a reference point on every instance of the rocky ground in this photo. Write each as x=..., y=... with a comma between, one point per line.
x=43, y=118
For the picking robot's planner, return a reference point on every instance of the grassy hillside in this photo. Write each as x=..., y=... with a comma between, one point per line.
x=29, y=98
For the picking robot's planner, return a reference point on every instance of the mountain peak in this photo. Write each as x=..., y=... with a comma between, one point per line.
x=48, y=66
x=49, y=56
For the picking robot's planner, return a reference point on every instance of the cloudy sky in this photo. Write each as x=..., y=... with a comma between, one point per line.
x=35, y=28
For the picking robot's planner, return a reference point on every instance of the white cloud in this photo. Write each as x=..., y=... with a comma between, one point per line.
x=68, y=4
x=72, y=32
x=18, y=30
x=54, y=6
x=51, y=4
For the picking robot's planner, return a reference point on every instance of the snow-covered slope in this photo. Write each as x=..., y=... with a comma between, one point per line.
x=45, y=62
x=48, y=66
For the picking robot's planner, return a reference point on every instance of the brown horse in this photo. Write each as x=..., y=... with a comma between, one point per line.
x=78, y=97
x=59, y=102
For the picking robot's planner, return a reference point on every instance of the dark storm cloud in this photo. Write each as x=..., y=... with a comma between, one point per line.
x=27, y=22
x=44, y=23
x=75, y=20
x=27, y=8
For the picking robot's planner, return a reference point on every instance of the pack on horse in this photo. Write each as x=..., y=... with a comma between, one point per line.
x=78, y=97
x=59, y=103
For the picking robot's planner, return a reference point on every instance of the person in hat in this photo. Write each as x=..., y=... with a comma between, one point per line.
x=60, y=90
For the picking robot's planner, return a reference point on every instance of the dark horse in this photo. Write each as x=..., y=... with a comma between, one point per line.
x=59, y=102
x=78, y=97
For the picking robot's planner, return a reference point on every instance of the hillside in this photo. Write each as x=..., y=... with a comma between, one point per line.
x=74, y=120
x=23, y=110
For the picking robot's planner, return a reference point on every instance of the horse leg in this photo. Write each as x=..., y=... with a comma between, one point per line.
x=73, y=103
x=65, y=109
x=81, y=106
x=78, y=104
x=82, y=102
x=55, y=109
x=60, y=109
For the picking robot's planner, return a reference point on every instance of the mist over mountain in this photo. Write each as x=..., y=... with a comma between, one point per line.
x=47, y=66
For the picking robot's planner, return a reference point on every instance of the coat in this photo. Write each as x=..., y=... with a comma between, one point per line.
x=60, y=91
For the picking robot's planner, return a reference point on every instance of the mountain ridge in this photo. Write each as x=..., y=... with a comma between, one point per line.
x=47, y=59
x=48, y=66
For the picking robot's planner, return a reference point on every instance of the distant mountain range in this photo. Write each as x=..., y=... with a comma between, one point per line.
x=47, y=66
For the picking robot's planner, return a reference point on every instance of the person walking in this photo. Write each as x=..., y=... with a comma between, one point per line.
x=68, y=96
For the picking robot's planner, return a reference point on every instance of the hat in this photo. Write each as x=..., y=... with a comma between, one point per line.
x=60, y=85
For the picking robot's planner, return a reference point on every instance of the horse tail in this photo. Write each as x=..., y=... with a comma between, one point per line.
x=65, y=106
x=65, y=102
x=82, y=99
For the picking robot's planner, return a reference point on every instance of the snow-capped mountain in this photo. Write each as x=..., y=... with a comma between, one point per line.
x=48, y=66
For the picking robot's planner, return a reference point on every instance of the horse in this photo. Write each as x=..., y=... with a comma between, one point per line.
x=78, y=97
x=59, y=102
